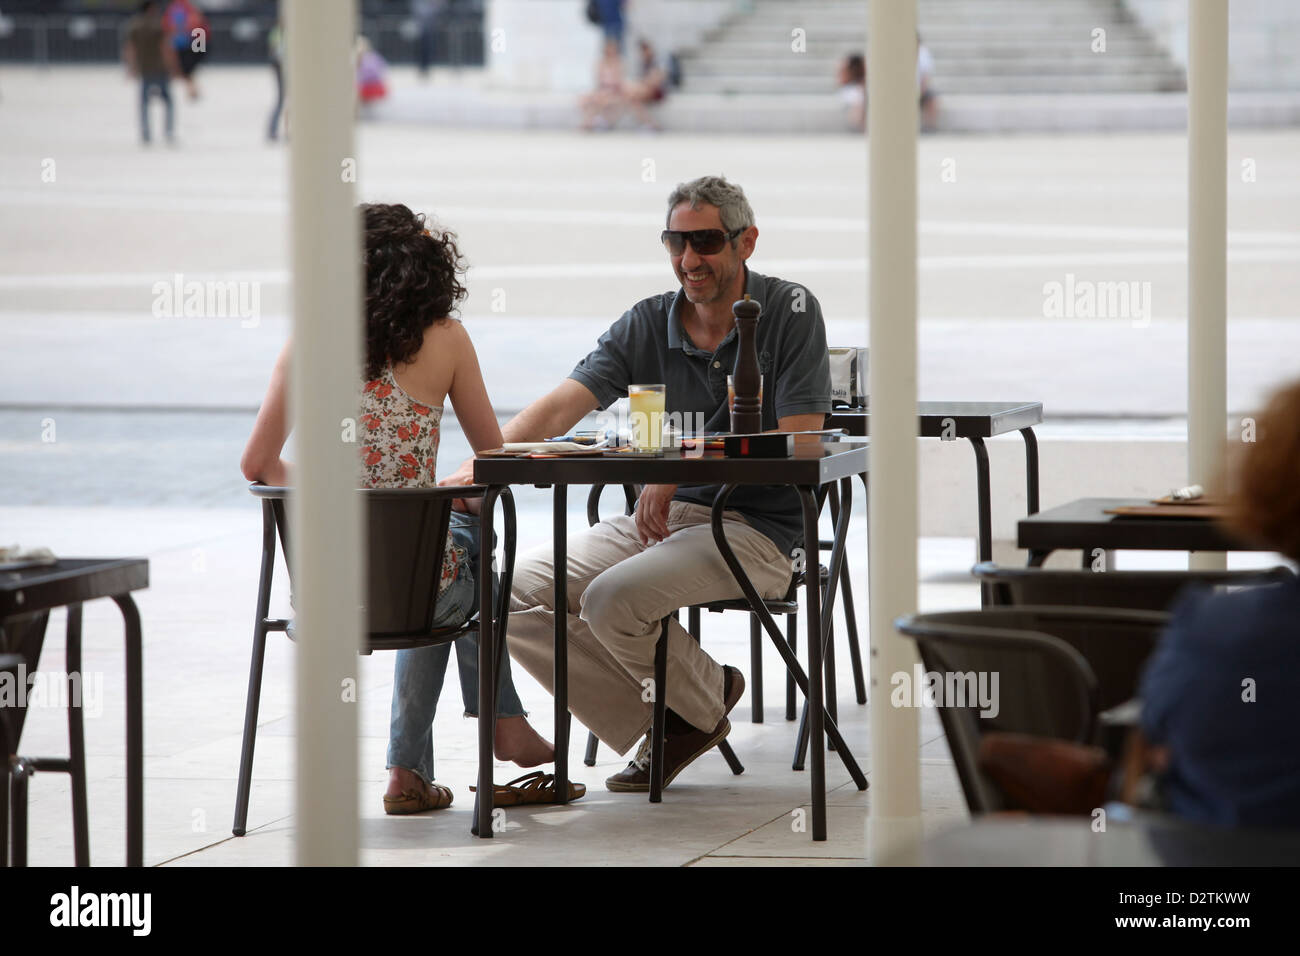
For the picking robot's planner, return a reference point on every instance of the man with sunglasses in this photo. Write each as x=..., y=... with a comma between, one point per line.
x=627, y=573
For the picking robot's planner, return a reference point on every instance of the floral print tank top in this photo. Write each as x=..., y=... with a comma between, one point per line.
x=399, y=448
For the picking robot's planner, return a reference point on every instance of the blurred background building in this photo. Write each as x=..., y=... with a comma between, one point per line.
x=999, y=65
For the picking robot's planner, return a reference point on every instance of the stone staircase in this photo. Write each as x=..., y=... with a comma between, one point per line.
x=980, y=47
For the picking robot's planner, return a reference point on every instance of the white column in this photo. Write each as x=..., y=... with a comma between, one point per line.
x=1207, y=223
x=895, y=795
x=325, y=526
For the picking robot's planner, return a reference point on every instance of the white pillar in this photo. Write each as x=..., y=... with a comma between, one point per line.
x=895, y=795
x=1207, y=223
x=325, y=517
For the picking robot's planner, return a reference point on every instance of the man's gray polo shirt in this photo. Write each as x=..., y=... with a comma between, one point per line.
x=648, y=345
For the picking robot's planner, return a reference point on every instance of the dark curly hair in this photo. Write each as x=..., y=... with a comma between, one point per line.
x=413, y=279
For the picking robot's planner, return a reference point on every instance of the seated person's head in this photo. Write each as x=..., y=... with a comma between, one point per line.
x=413, y=279
x=1264, y=477
x=853, y=70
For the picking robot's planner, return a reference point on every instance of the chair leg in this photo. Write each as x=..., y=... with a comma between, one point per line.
x=592, y=743
x=724, y=748
x=660, y=716
x=801, y=742
x=729, y=755
x=851, y=624
x=20, y=769
x=250, y=729
x=755, y=670
x=832, y=707
x=791, y=638
x=77, y=742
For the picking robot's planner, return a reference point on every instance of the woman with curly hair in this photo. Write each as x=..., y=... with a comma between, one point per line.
x=1221, y=693
x=417, y=356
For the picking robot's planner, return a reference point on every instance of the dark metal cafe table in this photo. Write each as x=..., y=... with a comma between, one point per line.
x=973, y=421
x=1084, y=524
x=26, y=596
x=814, y=464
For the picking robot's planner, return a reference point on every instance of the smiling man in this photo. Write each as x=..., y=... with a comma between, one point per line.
x=627, y=573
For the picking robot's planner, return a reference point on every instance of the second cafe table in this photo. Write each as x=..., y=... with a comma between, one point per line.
x=815, y=463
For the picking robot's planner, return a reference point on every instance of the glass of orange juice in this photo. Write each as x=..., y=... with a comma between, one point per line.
x=646, y=412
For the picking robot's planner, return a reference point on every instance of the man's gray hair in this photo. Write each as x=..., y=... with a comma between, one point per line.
x=733, y=207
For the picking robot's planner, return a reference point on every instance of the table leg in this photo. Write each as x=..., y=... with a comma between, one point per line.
x=559, y=518
x=77, y=741
x=788, y=657
x=816, y=704
x=134, y=730
x=1031, y=469
x=982, y=495
x=487, y=685
x=658, y=723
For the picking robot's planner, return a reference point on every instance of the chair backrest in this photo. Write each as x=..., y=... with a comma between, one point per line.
x=1116, y=642
x=997, y=678
x=406, y=537
x=407, y=534
x=1150, y=590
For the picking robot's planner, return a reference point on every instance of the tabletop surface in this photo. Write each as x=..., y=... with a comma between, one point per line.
x=70, y=581
x=1060, y=841
x=1084, y=523
x=814, y=462
x=968, y=419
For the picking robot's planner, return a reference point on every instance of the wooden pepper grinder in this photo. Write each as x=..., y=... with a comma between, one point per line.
x=747, y=409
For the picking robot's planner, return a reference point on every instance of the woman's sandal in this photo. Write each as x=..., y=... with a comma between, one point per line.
x=434, y=797
x=535, y=787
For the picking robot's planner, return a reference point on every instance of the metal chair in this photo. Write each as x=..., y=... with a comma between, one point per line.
x=1151, y=590
x=787, y=605
x=1057, y=669
x=406, y=535
x=23, y=637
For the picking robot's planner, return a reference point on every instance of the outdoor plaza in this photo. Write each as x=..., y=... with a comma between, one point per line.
x=145, y=294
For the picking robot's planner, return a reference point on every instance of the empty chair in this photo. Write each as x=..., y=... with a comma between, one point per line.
x=1056, y=669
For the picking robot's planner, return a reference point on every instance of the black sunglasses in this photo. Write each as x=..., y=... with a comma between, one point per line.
x=706, y=242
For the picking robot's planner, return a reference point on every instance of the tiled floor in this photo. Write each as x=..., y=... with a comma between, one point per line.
x=197, y=624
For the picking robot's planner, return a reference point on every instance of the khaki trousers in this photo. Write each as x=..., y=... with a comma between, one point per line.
x=618, y=592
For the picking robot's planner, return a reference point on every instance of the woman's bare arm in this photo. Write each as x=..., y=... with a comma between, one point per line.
x=261, y=460
x=469, y=396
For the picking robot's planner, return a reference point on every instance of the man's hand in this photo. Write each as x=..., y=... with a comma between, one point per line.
x=651, y=514
x=464, y=475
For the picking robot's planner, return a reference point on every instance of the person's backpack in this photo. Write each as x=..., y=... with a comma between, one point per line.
x=593, y=11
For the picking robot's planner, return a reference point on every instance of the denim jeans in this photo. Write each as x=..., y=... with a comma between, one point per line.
x=147, y=84
x=417, y=681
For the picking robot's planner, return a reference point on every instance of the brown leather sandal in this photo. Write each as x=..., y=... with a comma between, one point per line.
x=535, y=787
x=433, y=797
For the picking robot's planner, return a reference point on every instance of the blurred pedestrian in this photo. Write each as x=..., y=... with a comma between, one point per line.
x=650, y=87
x=372, y=73
x=605, y=104
x=611, y=20
x=929, y=98
x=275, y=51
x=852, y=81
x=149, y=55
x=427, y=13
x=188, y=29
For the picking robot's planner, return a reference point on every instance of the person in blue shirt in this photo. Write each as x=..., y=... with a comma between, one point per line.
x=1221, y=693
